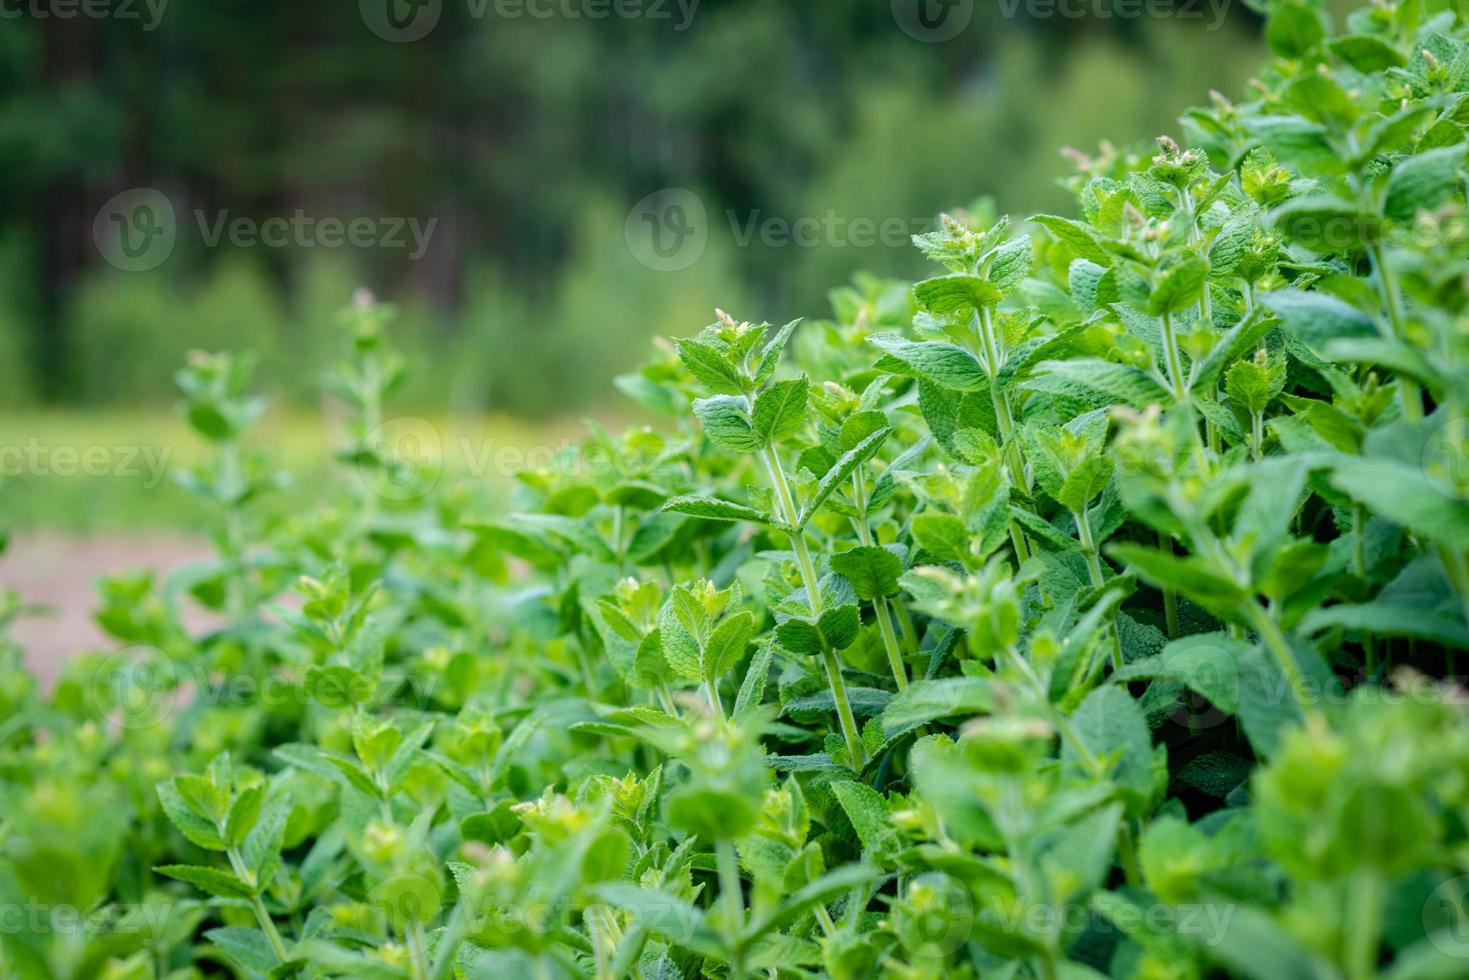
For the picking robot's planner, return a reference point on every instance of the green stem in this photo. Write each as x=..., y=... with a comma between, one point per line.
x=1412, y=397
x=1174, y=361
x=1005, y=422
x=879, y=602
x=449, y=943
x=1365, y=895
x=267, y=924
x=813, y=599
x=1170, y=595
x=712, y=693
x=734, y=903
x=890, y=641
x=844, y=708
x=1276, y=642
x=1094, y=572
x=665, y=695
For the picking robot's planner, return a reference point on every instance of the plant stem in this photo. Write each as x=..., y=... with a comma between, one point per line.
x=813, y=599
x=449, y=942
x=712, y=693
x=1170, y=595
x=267, y=924
x=1276, y=642
x=1412, y=397
x=1005, y=422
x=879, y=602
x=1364, y=923
x=844, y=708
x=1094, y=572
x=890, y=641
x=734, y=903
x=1174, y=362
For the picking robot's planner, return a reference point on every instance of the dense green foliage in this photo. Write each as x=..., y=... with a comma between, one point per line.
x=1088, y=608
x=527, y=137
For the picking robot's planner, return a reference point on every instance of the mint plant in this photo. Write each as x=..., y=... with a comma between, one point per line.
x=1091, y=607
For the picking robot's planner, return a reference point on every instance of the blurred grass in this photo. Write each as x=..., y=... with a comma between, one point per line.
x=96, y=471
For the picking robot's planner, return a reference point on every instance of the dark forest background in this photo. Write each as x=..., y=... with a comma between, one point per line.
x=527, y=139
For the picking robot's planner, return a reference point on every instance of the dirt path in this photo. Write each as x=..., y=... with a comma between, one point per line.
x=60, y=571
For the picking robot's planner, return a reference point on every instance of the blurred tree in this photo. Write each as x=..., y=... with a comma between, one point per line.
x=510, y=128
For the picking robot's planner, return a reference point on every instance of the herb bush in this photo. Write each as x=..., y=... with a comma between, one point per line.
x=1089, y=608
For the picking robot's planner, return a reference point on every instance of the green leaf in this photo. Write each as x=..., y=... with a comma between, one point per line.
x=1326, y=224
x=1081, y=238
x=929, y=700
x=835, y=629
x=867, y=811
x=1444, y=626
x=1206, y=663
x=1190, y=575
x=873, y=571
x=248, y=948
x=1366, y=52
x=709, y=366
x=219, y=883
x=1318, y=317
x=780, y=411
x=727, y=423
x=1179, y=286
x=1294, y=28
x=727, y=645
x=714, y=509
x=1423, y=182
x=956, y=295
x=261, y=850
x=752, y=689
x=1098, y=383
x=1111, y=726
x=1404, y=494
x=195, y=828
x=941, y=363
x=663, y=915
x=1011, y=264
x=841, y=472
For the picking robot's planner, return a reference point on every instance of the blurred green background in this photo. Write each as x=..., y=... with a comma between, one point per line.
x=526, y=131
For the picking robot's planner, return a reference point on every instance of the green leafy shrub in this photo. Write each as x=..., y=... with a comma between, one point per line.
x=1091, y=607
